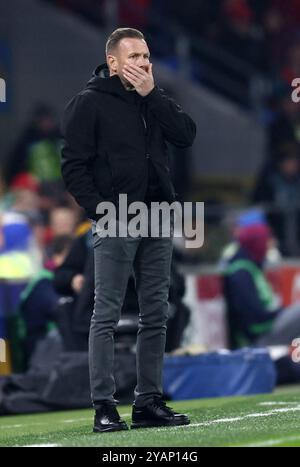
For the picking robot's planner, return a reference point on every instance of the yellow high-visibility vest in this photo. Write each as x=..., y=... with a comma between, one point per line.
x=16, y=266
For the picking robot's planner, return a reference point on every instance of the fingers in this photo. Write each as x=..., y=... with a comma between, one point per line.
x=132, y=73
x=131, y=78
x=140, y=79
x=131, y=81
x=136, y=71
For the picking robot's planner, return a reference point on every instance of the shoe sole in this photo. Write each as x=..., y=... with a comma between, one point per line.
x=158, y=424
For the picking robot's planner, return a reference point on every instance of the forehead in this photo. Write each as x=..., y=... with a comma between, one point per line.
x=130, y=45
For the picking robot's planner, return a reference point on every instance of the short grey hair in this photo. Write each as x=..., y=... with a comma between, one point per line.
x=119, y=34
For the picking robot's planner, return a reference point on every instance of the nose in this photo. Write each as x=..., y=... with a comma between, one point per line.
x=141, y=62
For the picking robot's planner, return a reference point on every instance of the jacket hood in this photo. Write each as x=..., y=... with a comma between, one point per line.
x=103, y=82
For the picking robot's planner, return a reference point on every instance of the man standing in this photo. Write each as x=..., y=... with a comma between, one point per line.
x=115, y=134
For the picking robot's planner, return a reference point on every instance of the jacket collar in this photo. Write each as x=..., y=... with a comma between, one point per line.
x=103, y=82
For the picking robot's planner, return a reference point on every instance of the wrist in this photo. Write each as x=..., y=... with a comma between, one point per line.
x=150, y=90
x=149, y=93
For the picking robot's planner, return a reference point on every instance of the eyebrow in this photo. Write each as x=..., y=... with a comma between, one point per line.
x=136, y=53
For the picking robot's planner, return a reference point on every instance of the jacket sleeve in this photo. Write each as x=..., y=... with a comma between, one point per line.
x=79, y=126
x=178, y=128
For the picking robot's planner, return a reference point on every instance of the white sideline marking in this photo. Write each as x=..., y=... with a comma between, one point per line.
x=244, y=417
x=48, y=445
x=277, y=403
x=3, y=427
x=24, y=425
x=272, y=442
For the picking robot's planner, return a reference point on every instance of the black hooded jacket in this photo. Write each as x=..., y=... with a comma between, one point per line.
x=111, y=134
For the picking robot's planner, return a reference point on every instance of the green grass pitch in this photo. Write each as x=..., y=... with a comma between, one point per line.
x=266, y=420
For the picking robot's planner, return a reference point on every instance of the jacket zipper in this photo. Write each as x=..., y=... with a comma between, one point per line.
x=146, y=135
x=144, y=121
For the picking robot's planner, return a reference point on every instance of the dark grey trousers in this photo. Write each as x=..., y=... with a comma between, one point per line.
x=115, y=259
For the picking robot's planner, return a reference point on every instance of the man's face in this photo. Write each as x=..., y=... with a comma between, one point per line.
x=128, y=51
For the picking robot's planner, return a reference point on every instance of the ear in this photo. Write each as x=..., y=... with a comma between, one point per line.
x=112, y=63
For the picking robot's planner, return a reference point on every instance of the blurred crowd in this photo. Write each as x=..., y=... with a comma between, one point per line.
x=46, y=255
x=262, y=33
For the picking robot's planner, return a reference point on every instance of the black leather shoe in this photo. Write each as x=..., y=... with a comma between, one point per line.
x=157, y=414
x=108, y=419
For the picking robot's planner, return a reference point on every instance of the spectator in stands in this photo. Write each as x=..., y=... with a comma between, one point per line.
x=53, y=196
x=19, y=262
x=19, y=258
x=38, y=150
x=278, y=34
x=278, y=187
x=281, y=184
x=63, y=221
x=286, y=124
x=289, y=10
x=254, y=312
x=39, y=301
x=241, y=35
x=46, y=207
x=71, y=280
x=23, y=193
x=291, y=70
